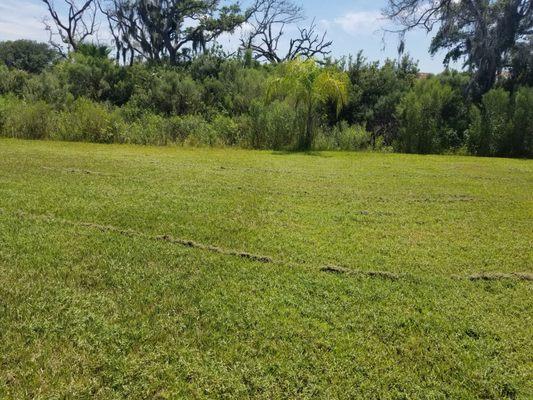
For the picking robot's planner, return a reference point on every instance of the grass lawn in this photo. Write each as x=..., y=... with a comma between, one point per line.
x=142, y=273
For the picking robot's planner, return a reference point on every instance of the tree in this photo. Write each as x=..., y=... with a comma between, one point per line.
x=375, y=91
x=267, y=25
x=521, y=64
x=90, y=73
x=307, y=85
x=481, y=32
x=522, y=135
x=421, y=112
x=27, y=55
x=74, y=26
x=502, y=125
x=169, y=30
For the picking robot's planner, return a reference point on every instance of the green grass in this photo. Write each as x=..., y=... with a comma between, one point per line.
x=100, y=298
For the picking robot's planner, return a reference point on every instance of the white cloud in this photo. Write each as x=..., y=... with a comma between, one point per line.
x=360, y=22
x=21, y=19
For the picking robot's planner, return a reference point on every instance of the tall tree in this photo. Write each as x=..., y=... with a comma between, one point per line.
x=27, y=55
x=521, y=64
x=483, y=33
x=73, y=21
x=171, y=30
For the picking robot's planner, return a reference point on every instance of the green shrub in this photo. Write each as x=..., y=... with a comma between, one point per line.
x=423, y=126
x=6, y=105
x=353, y=137
x=13, y=81
x=495, y=136
x=475, y=131
x=27, y=55
x=168, y=92
x=503, y=125
x=89, y=121
x=49, y=88
x=273, y=126
x=376, y=91
x=521, y=140
x=19, y=119
x=196, y=131
x=343, y=136
x=228, y=130
x=152, y=129
x=91, y=74
x=155, y=129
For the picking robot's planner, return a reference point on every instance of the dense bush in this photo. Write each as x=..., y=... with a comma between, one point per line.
x=47, y=87
x=13, y=81
x=521, y=139
x=88, y=121
x=273, y=126
x=375, y=93
x=227, y=130
x=151, y=129
x=502, y=125
x=27, y=55
x=308, y=87
x=168, y=92
x=216, y=100
x=344, y=137
x=424, y=127
x=20, y=119
x=90, y=73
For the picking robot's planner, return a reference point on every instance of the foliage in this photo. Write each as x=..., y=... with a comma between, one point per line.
x=481, y=33
x=306, y=85
x=502, y=125
x=151, y=129
x=375, y=92
x=13, y=81
x=90, y=73
x=227, y=130
x=344, y=137
x=273, y=126
x=521, y=65
x=88, y=121
x=19, y=119
x=216, y=99
x=423, y=124
x=521, y=140
x=195, y=130
x=27, y=55
x=169, y=30
x=48, y=87
x=168, y=92
x=234, y=88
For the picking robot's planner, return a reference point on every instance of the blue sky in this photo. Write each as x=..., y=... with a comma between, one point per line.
x=352, y=25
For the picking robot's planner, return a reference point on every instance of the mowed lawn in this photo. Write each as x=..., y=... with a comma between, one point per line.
x=167, y=273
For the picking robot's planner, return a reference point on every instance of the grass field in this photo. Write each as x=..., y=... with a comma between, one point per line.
x=142, y=273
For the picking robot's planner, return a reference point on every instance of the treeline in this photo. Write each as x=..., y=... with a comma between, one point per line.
x=214, y=99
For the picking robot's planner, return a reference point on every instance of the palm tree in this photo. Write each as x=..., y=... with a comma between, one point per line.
x=308, y=85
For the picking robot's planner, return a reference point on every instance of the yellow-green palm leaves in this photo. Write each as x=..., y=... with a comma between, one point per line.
x=308, y=85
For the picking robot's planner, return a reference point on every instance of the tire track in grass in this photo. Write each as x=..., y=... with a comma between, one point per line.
x=133, y=233
x=331, y=269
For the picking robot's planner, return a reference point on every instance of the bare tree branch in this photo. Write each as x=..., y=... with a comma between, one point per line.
x=73, y=28
x=267, y=25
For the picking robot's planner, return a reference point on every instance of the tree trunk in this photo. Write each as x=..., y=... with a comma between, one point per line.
x=308, y=142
